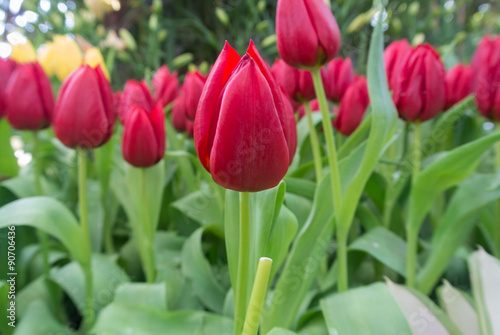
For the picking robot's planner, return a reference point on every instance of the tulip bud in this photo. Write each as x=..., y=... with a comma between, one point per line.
x=29, y=98
x=117, y=98
x=241, y=127
x=337, y=76
x=352, y=107
x=165, y=85
x=192, y=88
x=419, y=87
x=458, y=84
x=297, y=84
x=392, y=57
x=305, y=90
x=143, y=141
x=83, y=115
x=134, y=94
x=6, y=68
x=307, y=34
x=179, y=114
x=485, y=64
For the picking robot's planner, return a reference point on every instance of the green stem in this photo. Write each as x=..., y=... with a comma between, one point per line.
x=148, y=233
x=42, y=236
x=258, y=296
x=496, y=227
x=87, y=267
x=335, y=175
x=318, y=167
x=343, y=279
x=242, y=284
x=412, y=236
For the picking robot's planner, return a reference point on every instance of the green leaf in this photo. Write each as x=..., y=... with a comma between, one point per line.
x=300, y=206
x=359, y=136
x=446, y=171
x=95, y=214
x=107, y=276
x=455, y=226
x=385, y=246
x=383, y=125
x=369, y=310
x=8, y=163
x=485, y=276
x=196, y=268
x=119, y=319
x=51, y=216
x=24, y=186
x=281, y=331
x=423, y=316
x=39, y=289
x=142, y=294
x=459, y=309
x=39, y=321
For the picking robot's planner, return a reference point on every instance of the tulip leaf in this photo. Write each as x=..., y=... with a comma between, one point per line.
x=107, y=276
x=485, y=276
x=142, y=294
x=281, y=331
x=446, y=171
x=385, y=246
x=41, y=289
x=383, y=126
x=196, y=268
x=24, y=186
x=51, y=216
x=8, y=163
x=39, y=321
x=459, y=309
x=455, y=226
x=120, y=318
x=369, y=310
x=357, y=137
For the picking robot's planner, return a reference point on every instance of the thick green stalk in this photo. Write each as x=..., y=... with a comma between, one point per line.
x=412, y=236
x=89, y=314
x=42, y=236
x=147, y=233
x=242, y=283
x=335, y=175
x=254, y=312
x=313, y=135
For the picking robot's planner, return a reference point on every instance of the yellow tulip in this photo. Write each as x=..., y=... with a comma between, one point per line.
x=23, y=53
x=46, y=58
x=93, y=57
x=65, y=56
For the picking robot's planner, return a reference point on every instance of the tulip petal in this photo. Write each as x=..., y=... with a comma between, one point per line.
x=434, y=86
x=158, y=121
x=249, y=153
x=207, y=114
x=179, y=114
x=44, y=90
x=139, y=143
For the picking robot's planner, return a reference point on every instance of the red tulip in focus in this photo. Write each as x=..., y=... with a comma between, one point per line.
x=337, y=76
x=307, y=34
x=83, y=115
x=458, y=84
x=352, y=107
x=393, y=55
x=314, y=108
x=6, y=68
x=297, y=84
x=165, y=85
x=292, y=125
x=143, y=141
x=485, y=66
x=29, y=98
x=134, y=94
x=419, y=88
x=241, y=127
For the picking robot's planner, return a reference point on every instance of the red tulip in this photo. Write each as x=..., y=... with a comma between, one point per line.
x=485, y=66
x=419, y=88
x=292, y=125
x=134, y=94
x=117, y=100
x=314, y=108
x=165, y=85
x=6, y=68
x=352, y=107
x=297, y=84
x=83, y=115
x=192, y=88
x=307, y=34
x=29, y=98
x=143, y=141
x=337, y=76
x=458, y=84
x=392, y=58
x=241, y=127
x=179, y=113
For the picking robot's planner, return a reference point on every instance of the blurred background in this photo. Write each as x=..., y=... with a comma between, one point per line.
x=135, y=37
